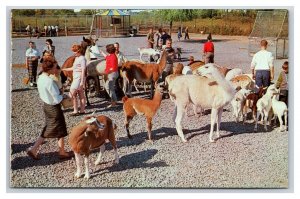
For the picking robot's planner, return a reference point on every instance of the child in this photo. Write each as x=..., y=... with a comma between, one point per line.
x=112, y=72
x=282, y=83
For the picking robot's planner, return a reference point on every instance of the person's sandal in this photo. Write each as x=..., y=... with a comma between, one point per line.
x=69, y=155
x=30, y=154
x=74, y=114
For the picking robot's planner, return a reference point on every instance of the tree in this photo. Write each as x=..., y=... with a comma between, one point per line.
x=88, y=12
x=176, y=15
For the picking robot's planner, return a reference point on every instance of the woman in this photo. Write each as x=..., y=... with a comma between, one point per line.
x=79, y=77
x=48, y=48
x=32, y=61
x=282, y=83
x=111, y=70
x=55, y=125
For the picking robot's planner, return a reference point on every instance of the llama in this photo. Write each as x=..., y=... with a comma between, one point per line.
x=142, y=72
x=201, y=91
x=133, y=106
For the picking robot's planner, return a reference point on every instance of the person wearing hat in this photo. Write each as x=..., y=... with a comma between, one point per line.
x=32, y=57
x=262, y=66
x=282, y=83
x=209, y=50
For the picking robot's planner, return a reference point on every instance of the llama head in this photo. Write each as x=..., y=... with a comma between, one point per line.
x=208, y=70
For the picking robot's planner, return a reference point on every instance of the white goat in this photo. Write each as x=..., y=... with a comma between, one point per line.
x=201, y=91
x=148, y=51
x=264, y=105
x=280, y=109
x=238, y=103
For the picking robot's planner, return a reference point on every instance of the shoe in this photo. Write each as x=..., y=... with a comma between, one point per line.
x=81, y=113
x=74, y=114
x=113, y=104
x=68, y=155
x=30, y=154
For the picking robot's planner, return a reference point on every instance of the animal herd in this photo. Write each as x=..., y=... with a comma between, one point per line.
x=205, y=86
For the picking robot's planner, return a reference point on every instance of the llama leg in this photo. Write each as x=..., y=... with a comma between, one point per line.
x=125, y=84
x=86, y=164
x=213, y=119
x=130, y=89
x=256, y=120
x=265, y=120
x=179, y=116
x=127, y=120
x=220, y=111
x=281, y=128
x=102, y=149
x=174, y=114
x=285, y=120
x=149, y=127
x=78, y=164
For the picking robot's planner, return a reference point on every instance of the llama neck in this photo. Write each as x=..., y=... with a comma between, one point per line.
x=162, y=62
x=157, y=98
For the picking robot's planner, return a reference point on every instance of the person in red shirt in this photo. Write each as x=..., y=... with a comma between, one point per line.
x=111, y=70
x=208, y=50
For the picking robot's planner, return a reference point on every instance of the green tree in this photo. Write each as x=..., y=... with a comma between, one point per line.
x=176, y=15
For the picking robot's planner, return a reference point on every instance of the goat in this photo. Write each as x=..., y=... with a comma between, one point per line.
x=251, y=101
x=244, y=81
x=264, y=105
x=238, y=103
x=133, y=106
x=91, y=133
x=280, y=109
x=148, y=51
x=187, y=89
x=142, y=72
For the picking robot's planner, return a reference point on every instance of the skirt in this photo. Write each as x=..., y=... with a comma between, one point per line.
x=55, y=124
x=32, y=68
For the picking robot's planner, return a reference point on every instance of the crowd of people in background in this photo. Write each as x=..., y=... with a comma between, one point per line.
x=51, y=31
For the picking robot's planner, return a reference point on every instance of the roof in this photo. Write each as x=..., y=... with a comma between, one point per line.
x=115, y=12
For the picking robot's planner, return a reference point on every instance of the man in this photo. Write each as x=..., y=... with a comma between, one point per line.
x=209, y=50
x=262, y=66
x=150, y=38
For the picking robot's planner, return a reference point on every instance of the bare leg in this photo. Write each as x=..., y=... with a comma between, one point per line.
x=74, y=98
x=61, y=147
x=82, y=100
x=36, y=145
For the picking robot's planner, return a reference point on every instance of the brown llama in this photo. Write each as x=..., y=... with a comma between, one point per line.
x=142, y=72
x=147, y=107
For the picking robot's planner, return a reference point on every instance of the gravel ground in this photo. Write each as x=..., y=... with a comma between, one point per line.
x=240, y=159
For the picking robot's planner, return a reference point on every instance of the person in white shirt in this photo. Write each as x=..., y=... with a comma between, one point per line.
x=55, y=125
x=262, y=66
x=32, y=60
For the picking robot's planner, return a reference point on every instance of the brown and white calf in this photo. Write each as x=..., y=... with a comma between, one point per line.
x=90, y=134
